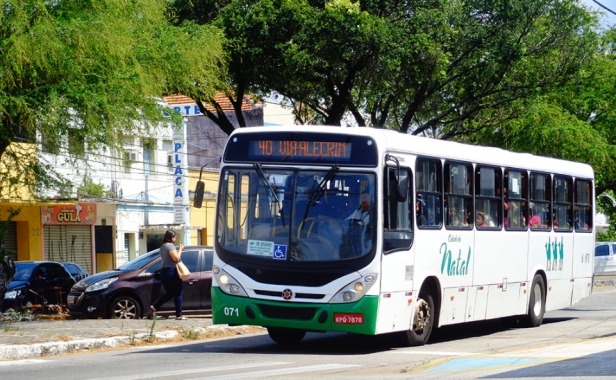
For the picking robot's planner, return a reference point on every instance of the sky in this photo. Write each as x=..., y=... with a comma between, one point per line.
x=609, y=15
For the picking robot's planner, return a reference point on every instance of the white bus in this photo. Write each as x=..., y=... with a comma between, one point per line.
x=371, y=231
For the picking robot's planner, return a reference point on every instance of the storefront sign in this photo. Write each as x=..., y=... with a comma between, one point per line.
x=77, y=214
x=179, y=191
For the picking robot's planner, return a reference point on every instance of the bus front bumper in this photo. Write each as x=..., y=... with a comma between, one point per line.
x=357, y=317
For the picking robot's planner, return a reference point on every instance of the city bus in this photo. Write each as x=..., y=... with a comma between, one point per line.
x=371, y=231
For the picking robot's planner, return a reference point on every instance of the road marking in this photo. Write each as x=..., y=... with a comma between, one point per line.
x=518, y=358
x=435, y=353
x=23, y=361
x=181, y=372
x=286, y=371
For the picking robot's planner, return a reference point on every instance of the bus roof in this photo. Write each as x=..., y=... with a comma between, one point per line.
x=395, y=142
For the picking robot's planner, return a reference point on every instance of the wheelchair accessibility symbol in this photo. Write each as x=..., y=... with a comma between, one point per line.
x=280, y=252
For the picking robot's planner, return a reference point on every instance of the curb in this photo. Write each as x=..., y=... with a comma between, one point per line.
x=35, y=350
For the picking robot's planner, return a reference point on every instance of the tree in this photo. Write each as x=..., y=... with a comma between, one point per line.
x=467, y=62
x=448, y=68
x=96, y=69
x=574, y=121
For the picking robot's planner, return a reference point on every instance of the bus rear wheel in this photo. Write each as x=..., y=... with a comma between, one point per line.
x=536, y=303
x=423, y=322
x=283, y=335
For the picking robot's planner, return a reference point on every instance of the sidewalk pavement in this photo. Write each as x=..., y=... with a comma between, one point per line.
x=53, y=335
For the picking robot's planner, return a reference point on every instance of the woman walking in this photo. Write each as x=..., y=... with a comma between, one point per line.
x=169, y=275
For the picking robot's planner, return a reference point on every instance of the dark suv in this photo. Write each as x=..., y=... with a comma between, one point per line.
x=128, y=291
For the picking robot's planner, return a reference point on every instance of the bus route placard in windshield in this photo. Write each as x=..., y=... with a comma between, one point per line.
x=302, y=148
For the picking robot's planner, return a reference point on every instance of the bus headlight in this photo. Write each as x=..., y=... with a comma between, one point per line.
x=355, y=290
x=228, y=284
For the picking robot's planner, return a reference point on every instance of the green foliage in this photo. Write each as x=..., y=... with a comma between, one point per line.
x=447, y=69
x=89, y=189
x=96, y=68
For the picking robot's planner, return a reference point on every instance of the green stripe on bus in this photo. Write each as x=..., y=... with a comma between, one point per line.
x=233, y=310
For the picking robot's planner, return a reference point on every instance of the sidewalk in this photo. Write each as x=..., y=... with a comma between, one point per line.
x=48, y=337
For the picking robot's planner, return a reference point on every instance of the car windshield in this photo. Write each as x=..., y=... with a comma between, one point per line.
x=23, y=271
x=139, y=261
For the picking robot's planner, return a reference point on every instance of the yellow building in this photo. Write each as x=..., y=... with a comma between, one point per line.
x=203, y=218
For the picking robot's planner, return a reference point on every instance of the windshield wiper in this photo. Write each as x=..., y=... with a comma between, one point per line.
x=267, y=184
x=317, y=192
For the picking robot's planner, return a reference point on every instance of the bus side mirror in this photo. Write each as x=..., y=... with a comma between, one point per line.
x=198, y=200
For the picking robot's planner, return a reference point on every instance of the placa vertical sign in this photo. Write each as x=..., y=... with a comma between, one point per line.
x=180, y=192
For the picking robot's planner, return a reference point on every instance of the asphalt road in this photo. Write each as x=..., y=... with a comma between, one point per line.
x=578, y=342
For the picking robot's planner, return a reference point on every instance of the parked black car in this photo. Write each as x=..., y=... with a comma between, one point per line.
x=127, y=292
x=37, y=283
x=75, y=270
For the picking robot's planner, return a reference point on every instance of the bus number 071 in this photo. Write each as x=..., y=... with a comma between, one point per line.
x=232, y=311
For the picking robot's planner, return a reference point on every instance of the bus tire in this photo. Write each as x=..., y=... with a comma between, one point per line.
x=536, y=302
x=422, y=323
x=282, y=335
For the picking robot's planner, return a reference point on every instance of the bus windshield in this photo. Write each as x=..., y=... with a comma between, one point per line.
x=296, y=215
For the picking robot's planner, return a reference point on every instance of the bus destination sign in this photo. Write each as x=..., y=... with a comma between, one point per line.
x=301, y=150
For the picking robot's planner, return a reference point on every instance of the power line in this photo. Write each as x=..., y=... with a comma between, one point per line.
x=604, y=7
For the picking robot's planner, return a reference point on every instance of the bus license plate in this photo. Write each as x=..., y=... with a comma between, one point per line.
x=348, y=319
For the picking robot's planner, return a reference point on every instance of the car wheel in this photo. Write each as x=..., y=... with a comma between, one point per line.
x=125, y=307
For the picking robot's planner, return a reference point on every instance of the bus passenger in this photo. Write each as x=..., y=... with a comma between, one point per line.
x=421, y=218
x=480, y=220
x=535, y=220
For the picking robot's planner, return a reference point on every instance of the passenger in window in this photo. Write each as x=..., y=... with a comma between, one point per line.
x=555, y=222
x=455, y=221
x=480, y=220
x=578, y=224
x=535, y=219
x=421, y=218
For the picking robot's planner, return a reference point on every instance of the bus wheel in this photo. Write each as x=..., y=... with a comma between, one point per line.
x=536, y=303
x=423, y=322
x=283, y=335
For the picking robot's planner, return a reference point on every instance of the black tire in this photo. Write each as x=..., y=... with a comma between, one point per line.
x=283, y=335
x=124, y=307
x=536, y=303
x=419, y=333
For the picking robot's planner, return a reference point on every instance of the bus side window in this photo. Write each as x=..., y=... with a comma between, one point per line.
x=428, y=191
x=583, y=206
x=563, y=203
x=539, y=217
x=398, y=223
x=488, y=197
x=458, y=195
x=515, y=197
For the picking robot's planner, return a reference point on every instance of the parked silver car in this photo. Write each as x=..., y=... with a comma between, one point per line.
x=605, y=260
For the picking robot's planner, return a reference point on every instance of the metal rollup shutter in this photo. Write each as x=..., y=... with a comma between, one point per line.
x=69, y=243
x=10, y=238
